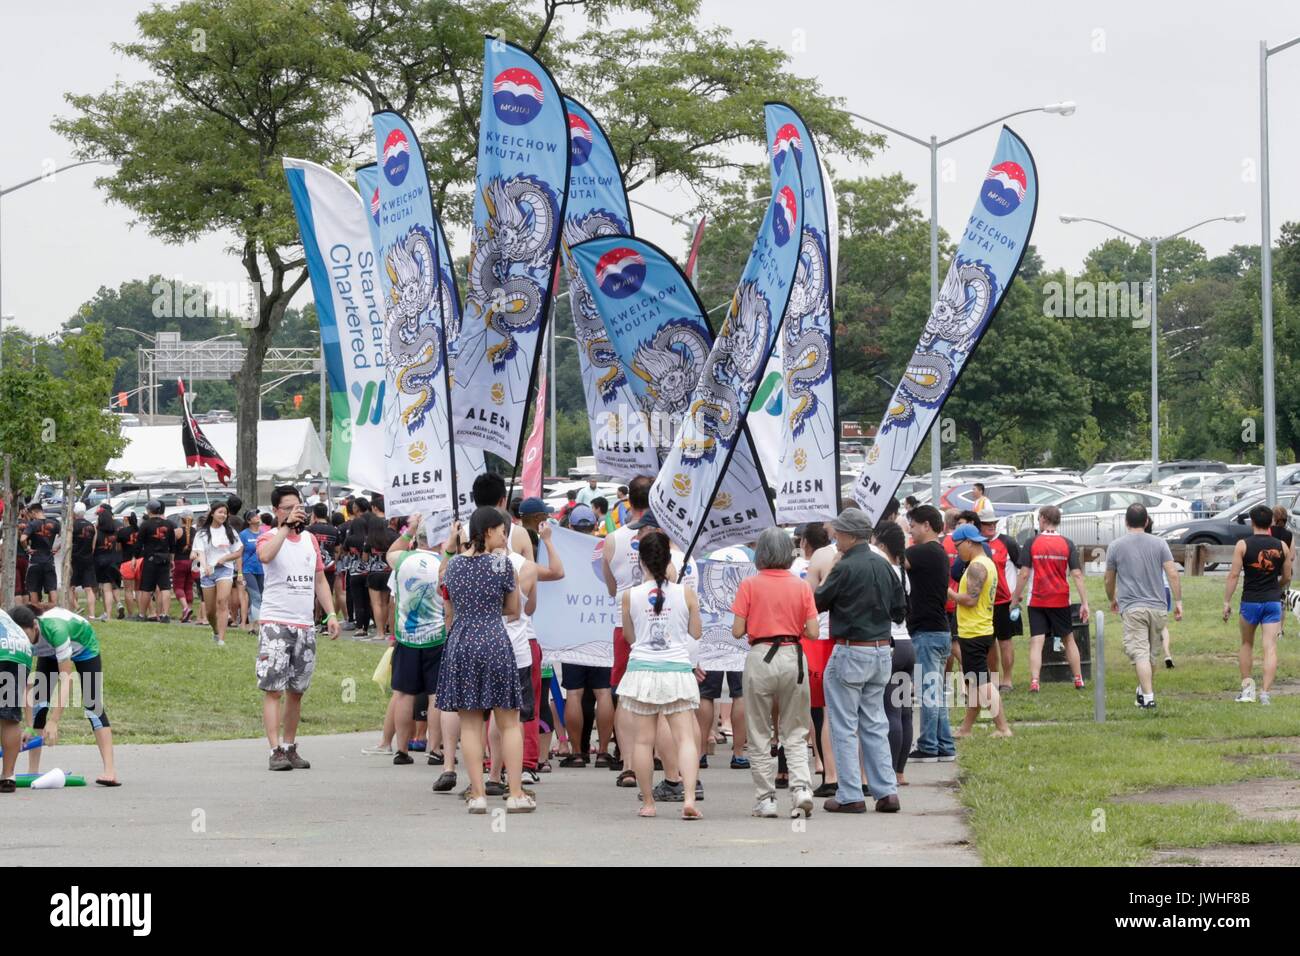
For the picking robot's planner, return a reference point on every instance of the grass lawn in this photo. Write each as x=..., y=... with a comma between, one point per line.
x=170, y=682
x=1045, y=797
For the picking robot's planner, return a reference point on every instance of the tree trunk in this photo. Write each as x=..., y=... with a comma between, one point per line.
x=977, y=443
x=248, y=385
x=9, y=574
x=67, y=597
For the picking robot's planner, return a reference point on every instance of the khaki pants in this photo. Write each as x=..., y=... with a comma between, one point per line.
x=1143, y=627
x=765, y=685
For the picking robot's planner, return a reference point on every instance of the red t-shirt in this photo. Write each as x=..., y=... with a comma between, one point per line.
x=950, y=549
x=1052, y=557
x=774, y=603
x=1000, y=556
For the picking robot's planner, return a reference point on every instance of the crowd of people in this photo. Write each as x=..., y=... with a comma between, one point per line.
x=840, y=617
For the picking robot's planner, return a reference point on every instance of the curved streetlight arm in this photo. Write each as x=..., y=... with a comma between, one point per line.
x=37, y=179
x=1111, y=225
x=992, y=122
x=886, y=126
x=1270, y=50
x=1174, y=235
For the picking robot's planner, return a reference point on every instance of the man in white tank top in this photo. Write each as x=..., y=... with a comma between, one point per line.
x=286, y=651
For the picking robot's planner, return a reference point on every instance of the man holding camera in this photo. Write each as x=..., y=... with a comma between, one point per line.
x=286, y=650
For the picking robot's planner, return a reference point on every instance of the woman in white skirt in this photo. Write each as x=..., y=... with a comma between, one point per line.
x=660, y=619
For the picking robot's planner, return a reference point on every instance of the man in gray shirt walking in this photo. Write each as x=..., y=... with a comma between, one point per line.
x=1136, y=567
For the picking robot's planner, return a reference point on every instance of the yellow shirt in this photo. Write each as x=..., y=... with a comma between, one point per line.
x=977, y=621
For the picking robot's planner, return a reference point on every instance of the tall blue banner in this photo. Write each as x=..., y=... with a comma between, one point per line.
x=420, y=460
x=808, y=477
x=469, y=461
x=658, y=328
x=620, y=435
x=988, y=258
x=691, y=474
x=522, y=184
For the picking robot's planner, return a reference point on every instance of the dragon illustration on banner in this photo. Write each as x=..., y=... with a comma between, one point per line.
x=669, y=363
x=413, y=346
x=520, y=231
x=592, y=337
x=714, y=414
x=807, y=347
x=953, y=327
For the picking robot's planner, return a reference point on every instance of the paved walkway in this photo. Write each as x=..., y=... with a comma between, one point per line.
x=215, y=803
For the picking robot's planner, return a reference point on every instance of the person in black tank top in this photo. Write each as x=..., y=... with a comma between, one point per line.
x=1265, y=563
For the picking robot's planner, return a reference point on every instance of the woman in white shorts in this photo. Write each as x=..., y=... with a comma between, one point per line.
x=660, y=620
x=216, y=548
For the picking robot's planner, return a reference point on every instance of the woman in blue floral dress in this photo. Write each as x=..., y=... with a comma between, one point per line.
x=478, y=671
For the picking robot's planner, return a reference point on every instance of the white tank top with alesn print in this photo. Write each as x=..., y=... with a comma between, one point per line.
x=289, y=587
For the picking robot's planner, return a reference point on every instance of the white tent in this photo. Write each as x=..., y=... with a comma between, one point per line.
x=287, y=448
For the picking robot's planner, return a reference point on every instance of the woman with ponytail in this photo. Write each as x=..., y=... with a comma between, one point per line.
x=478, y=663
x=660, y=619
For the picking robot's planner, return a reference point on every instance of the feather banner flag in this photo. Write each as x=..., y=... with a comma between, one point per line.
x=521, y=189
x=988, y=257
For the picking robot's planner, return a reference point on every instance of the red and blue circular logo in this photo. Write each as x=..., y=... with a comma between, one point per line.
x=655, y=593
x=397, y=157
x=580, y=139
x=787, y=142
x=374, y=207
x=517, y=96
x=1004, y=188
x=785, y=213
x=620, y=272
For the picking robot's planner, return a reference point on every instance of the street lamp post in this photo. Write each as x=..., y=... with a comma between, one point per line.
x=934, y=144
x=1266, y=273
x=1154, y=243
x=16, y=186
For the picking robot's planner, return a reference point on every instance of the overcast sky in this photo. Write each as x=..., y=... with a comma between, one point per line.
x=1166, y=133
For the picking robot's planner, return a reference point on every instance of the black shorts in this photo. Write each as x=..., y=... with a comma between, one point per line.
x=711, y=686
x=13, y=690
x=155, y=574
x=42, y=579
x=527, y=703
x=975, y=655
x=1004, y=629
x=952, y=624
x=377, y=580
x=107, y=571
x=91, y=675
x=415, y=669
x=1054, y=621
x=83, y=573
x=584, y=677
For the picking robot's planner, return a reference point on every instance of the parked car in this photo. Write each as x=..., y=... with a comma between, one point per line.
x=170, y=497
x=1141, y=475
x=976, y=472
x=1105, y=472
x=1008, y=498
x=1230, y=525
x=1095, y=516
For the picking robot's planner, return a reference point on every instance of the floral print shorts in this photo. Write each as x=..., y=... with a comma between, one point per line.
x=286, y=657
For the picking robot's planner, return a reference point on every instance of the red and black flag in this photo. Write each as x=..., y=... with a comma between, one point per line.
x=198, y=450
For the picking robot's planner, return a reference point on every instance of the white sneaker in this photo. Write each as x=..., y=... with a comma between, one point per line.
x=801, y=802
x=764, y=808
x=531, y=776
x=1247, y=695
x=377, y=751
x=221, y=643
x=1265, y=698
